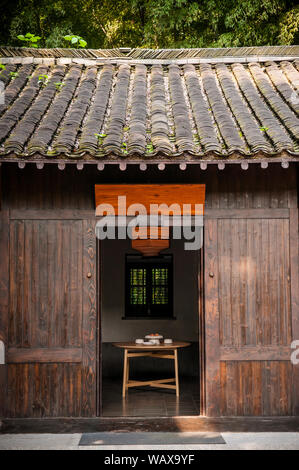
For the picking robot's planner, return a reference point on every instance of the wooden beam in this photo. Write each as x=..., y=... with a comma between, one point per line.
x=157, y=424
x=255, y=353
x=148, y=194
x=57, y=214
x=150, y=247
x=246, y=214
x=82, y=214
x=51, y=355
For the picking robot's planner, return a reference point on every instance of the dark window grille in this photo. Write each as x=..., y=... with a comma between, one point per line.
x=149, y=286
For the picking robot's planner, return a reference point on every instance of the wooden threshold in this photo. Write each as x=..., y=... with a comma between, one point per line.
x=152, y=424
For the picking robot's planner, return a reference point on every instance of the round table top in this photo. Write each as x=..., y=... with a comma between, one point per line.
x=133, y=345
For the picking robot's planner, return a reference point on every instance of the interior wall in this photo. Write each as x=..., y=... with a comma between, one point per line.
x=115, y=328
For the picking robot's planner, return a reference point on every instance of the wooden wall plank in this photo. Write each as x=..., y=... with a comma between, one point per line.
x=294, y=259
x=4, y=302
x=89, y=327
x=212, y=319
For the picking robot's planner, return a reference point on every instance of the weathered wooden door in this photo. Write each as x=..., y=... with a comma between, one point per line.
x=51, y=332
x=251, y=312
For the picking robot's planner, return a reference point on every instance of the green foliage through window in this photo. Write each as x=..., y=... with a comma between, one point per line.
x=149, y=286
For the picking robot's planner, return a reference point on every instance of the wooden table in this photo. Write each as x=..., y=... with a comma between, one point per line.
x=162, y=351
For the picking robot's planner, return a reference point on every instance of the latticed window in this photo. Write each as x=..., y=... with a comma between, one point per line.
x=149, y=286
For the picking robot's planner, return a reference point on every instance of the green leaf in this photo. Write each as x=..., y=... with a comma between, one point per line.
x=67, y=37
x=82, y=43
x=21, y=37
x=74, y=40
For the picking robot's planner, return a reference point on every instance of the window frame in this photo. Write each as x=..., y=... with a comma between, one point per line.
x=148, y=263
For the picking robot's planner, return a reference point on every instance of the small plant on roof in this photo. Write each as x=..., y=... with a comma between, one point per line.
x=100, y=138
x=29, y=38
x=124, y=148
x=59, y=85
x=2, y=68
x=149, y=148
x=75, y=41
x=43, y=80
x=13, y=75
x=264, y=129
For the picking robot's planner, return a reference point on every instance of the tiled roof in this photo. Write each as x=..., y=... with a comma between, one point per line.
x=104, y=108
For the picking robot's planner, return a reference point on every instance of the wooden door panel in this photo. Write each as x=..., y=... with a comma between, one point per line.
x=249, y=371
x=51, y=351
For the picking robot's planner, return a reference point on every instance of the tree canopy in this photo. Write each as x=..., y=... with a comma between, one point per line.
x=151, y=23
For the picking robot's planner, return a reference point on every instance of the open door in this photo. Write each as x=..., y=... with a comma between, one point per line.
x=251, y=312
x=50, y=317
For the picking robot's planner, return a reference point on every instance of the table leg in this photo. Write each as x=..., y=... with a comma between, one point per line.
x=176, y=366
x=128, y=368
x=125, y=376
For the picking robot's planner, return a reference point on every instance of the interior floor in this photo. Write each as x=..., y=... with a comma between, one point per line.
x=148, y=401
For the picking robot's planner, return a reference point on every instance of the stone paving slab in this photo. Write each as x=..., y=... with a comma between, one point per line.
x=232, y=441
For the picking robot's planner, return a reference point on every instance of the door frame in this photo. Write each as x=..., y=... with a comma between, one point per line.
x=201, y=330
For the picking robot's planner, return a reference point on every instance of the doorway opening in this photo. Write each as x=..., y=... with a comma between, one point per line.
x=175, y=284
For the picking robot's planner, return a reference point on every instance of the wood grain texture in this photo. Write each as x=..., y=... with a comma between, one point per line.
x=40, y=355
x=254, y=282
x=257, y=265
x=251, y=210
x=89, y=326
x=212, y=320
x=256, y=388
x=4, y=302
x=255, y=353
x=155, y=347
x=150, y=247
x=294, y=259
x=247, y=213
x=149, y=424
x=45, y=371
x=148, y=194
x=232, y=188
